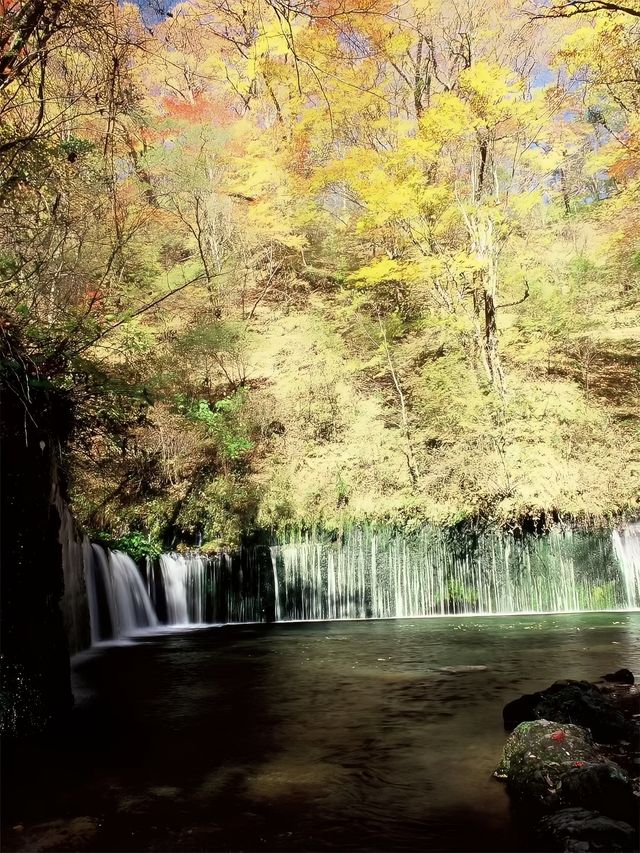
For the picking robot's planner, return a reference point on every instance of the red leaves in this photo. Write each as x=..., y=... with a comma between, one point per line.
x=558, y=736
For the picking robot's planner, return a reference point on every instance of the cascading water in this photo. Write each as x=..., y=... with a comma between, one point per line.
x=118, y=601
x=378, y=574
x=626, y=543
x=185, y=582
x=368, y=573
x=273, y=551
x=74, y=603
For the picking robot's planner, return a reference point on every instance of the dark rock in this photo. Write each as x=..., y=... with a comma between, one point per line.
x=621, y=676
x=536, y=757
x=577, y=830
x=520, y=710
x=35, y=684
x=577, y=702
x=549, y=765
x=583, y=704
x=602, y=786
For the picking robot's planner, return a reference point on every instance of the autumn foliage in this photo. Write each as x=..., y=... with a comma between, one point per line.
x=444, y=196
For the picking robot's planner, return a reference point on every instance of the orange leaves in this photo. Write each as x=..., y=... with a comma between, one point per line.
x=199, y=110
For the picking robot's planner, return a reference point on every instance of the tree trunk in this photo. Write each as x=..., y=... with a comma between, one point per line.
x=484, y=246
x=412, y=465
x=491, y=341
x=482, y=168
x=565, y=191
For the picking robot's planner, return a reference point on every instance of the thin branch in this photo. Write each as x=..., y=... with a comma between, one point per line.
x=585, y=7
x=139, y=311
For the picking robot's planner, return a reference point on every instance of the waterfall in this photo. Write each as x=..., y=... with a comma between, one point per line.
x=378, y=573
x=90, y=558
x=367, y=573
x=118, y=601
x=626, y=543
x=184, y=580
x=237, y=585
x=276, y=588
x=74, y=602
x=122, y=602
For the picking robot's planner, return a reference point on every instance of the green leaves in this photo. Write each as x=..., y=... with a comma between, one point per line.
x=136, y=544
x=74, y=147
x=223, y=422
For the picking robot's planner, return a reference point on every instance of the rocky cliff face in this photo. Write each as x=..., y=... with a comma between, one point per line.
x=35, y=682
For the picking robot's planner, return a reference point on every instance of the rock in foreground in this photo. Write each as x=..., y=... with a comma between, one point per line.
x=550, y=765
x=538, y=755
x=577, y=830
x=577, y=702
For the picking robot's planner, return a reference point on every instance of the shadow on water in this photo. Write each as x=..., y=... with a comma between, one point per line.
x=341, y=736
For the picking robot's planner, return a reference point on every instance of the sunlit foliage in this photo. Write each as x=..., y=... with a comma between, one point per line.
x=313, y=261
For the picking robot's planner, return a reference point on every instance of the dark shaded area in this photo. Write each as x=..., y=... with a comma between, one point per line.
x=615, y=377
x=35, y=663
x=603, y=787
x=578, y=829
x=239, y=587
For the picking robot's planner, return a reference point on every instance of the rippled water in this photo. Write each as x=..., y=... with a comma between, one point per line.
x=340, y=735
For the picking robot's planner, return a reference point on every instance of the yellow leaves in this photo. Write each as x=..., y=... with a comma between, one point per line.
x=383, y=270
x=389, y=200
x=485, y=81
x=488, y=100
x=447, y=120
x=525, y=202
x=272, y=208
x=453, y=266
x=444, y=270
x=420, y=149
x=399, y=43
x=602, y=159
x=391, y=186
x=604, y=56
x=575, y=47
x=491, y=92
x=272, y=41
x=606, y=33
x=353, y=166
x=545, y=161
x=269, y=220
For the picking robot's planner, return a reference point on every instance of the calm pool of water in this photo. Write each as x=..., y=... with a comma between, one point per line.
x=316, y=736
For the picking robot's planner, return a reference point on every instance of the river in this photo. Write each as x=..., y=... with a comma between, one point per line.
x=344, y=735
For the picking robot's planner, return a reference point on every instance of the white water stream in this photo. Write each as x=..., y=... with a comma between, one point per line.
x=367, y=574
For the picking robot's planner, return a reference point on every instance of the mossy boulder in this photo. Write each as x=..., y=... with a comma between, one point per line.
x=548, y=766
